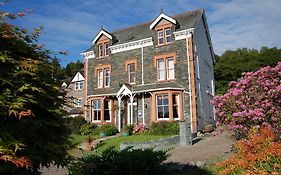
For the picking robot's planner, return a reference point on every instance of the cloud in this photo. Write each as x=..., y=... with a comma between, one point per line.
x=71, y=24
x=250, y=24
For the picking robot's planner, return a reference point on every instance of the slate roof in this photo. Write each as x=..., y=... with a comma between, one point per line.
x=186, y=20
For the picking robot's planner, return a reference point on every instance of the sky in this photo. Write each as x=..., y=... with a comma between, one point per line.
x=72, y=24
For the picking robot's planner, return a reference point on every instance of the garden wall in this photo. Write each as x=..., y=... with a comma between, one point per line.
x=158, y=144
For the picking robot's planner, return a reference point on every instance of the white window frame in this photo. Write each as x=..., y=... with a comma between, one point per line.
x=164, y=36
x=96, y=109
x=106, y=77
x=103, y=49
x=79, y=85
x=166, y=69
x=162, y=107
x=109, y=110
x=100, y=78
x=131, y=72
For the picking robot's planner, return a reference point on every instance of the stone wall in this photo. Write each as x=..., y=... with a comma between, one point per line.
x=159, y=144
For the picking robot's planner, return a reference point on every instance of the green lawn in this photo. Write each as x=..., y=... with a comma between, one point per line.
x=115, y=142
x=76, y=139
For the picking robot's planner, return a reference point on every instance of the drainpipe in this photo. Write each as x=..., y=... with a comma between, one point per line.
x=142, y=82
x=142, y=78
x=189, y=82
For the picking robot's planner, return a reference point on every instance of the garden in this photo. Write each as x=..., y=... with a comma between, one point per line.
x=250, y=110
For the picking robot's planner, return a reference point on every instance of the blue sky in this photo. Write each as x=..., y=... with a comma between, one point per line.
x=71, y=24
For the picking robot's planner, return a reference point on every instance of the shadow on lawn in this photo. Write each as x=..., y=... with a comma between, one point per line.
x=185, y=169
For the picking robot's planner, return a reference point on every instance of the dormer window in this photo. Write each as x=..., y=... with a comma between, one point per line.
x=103, y=49
x=164, y=36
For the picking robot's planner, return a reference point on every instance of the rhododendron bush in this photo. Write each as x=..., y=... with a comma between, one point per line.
x=253, y=101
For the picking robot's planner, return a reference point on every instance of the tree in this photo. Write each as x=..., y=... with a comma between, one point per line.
x=72, y=68
x=253, y=101
x=32, y=130
x=231, y=64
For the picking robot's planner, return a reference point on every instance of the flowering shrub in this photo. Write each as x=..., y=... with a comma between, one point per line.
x=260, y=154
x=255, y=100
x=139, y=128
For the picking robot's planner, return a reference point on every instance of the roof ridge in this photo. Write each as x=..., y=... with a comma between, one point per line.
x=150, y=21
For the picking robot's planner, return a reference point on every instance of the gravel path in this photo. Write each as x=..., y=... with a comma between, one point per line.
x=208, y=149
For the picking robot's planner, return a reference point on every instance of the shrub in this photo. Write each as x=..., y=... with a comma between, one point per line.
x=75, y=123
x=260, y=154
x=108, y=129
x=139, y=128
x=165, y=128
x=253, y=101
x=125, y=162
x=128, y=128
x=87, y=129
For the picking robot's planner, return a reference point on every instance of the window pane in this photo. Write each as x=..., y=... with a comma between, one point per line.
x=161, y=41
x=100, y=50
x=106, y=110
x=168, y=39
x=106, y=49
x=160, y=112
x=131, y=73
x=107, y=77
x=170, y=69
x=162, y=106
x=165, y=100
x=166, y=112
x=100, y=78
x=168, y=32
x=160, y=33
x=175, y=106
x=160, y=37
x=161, y=69
x=96, y=110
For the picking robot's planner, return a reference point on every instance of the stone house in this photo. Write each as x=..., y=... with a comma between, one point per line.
x=160, y=70
x=75, y=95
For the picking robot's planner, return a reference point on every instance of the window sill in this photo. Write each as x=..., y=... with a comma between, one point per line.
x=101, y=57
x=163, y=81
x=165, y=44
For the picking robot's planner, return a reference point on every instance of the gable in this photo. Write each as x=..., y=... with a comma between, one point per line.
x=102, y=39
x=100, y=34
x=160, y=18
x=78, y=77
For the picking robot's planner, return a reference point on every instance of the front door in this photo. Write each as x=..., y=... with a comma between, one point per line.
x=131, y=112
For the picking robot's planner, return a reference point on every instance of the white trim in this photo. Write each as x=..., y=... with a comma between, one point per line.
x=135, y=92
x=102, y=32
x=183, y=34
x=78, y=77
x=88, y=55
x=162, y=15
x=131, y=45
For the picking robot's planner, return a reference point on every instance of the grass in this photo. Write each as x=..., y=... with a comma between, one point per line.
x=76, y=139
x=115, y=142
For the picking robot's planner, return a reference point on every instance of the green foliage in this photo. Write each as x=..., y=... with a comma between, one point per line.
x=128, y=128
x=72, y=68
x=125, y=162
x=31, y=104
x=89, y=129
x=164, y=128
x=108, y=129
x=75, y=123
x=230, y=65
